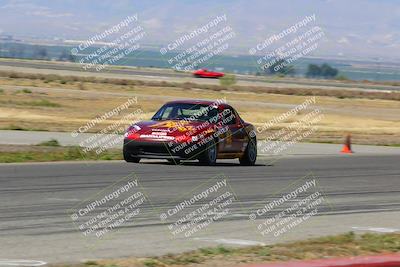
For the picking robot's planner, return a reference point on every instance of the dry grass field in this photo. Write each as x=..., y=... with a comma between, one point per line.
x=56, y=103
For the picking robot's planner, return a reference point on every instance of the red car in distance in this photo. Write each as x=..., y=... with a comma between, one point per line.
x=192, y=130
x=204, y=73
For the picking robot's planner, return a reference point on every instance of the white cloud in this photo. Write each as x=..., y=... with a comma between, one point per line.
x=69, y=27
x=33, y=10
x=152, y=23
x=343, y=40
x=353, y=35
x=48, y=14
x=388, y=37
x=260, y=27
x=20, y=4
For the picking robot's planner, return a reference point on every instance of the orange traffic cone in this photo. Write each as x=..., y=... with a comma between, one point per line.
x=347, y=145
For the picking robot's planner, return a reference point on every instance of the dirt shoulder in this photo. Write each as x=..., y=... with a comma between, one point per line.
x=43, y=153
x=344, y=245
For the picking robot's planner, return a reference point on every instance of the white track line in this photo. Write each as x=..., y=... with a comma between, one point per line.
x=376, y=229
x=8, y=262
x=63, y=199
x=231, y=241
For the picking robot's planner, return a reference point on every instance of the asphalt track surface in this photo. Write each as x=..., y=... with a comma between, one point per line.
x=35, y=199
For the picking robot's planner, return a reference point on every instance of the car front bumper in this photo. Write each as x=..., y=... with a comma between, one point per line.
x=162, y=150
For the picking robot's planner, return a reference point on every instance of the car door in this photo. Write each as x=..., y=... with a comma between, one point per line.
x=234, y=135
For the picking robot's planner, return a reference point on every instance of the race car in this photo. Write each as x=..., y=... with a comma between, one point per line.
x=192, y=130
x=204, y=73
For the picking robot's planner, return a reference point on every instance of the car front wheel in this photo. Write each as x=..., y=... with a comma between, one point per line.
x=129, y=158
x=209, y=155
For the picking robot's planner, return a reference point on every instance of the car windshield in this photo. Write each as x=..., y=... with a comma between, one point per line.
x=186, y=111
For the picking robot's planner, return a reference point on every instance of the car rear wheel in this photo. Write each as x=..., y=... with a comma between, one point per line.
x=250, y=154
x=128, y=157
x=209, y=155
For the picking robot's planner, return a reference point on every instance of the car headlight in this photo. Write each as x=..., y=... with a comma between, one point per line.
x=131, y=129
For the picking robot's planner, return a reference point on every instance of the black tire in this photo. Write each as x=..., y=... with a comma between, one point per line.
x=129, y=158
x=250, y=154
x=209, y=155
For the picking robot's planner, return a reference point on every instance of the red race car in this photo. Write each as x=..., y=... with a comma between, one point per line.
x=204, y=73
x=192, y=130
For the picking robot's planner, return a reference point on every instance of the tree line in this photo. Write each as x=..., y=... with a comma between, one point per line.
x=280, y=68
x=325, y=71
x=35, y=52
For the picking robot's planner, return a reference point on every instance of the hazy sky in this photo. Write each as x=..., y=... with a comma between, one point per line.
x=364, y=28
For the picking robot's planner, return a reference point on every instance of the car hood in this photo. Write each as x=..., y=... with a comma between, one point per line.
x=171, y=128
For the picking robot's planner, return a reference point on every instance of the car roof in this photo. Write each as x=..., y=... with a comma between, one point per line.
x=194, y=101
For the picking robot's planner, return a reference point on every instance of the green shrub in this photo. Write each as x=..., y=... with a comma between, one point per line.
x=43, y=103
x=342, y=78
x=51, y=142
x=227, y=80
x=15, y=128
x=150, y=263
